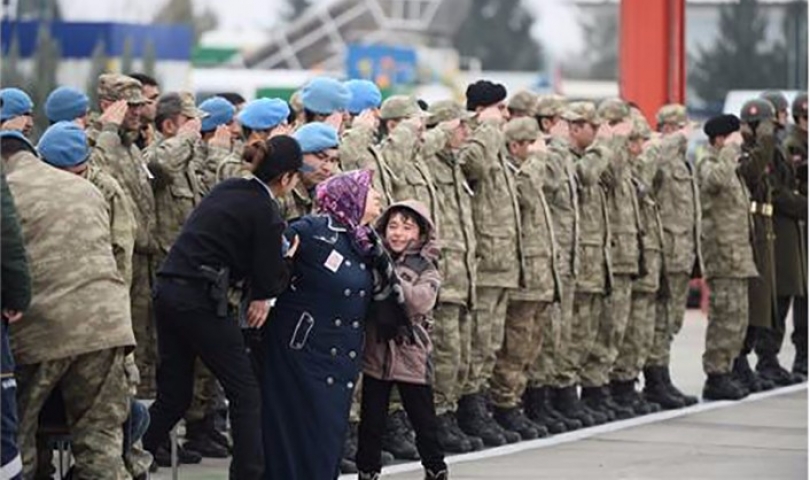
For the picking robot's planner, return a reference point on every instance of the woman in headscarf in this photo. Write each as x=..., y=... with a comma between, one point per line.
x=314, y=337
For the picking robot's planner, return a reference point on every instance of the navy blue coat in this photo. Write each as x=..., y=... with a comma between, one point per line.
x=313, y=342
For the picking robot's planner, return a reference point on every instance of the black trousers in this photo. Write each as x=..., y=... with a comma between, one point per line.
x=800, y=320
x=418, y=403
x=770, y=341
x=187, y=328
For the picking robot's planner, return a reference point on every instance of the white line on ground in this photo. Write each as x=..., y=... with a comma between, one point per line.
x=590, y=432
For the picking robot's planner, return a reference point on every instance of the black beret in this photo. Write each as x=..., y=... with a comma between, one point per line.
x=282, y=155
x=484, y=93
x=721, y=125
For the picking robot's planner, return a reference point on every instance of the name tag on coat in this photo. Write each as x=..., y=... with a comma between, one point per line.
x=333, y=261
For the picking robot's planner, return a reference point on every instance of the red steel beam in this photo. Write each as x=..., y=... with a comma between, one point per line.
x=651, y=53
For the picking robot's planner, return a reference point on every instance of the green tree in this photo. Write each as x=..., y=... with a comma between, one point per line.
x=498, y=33
x=790, y=53
x=10, y=72
x=39, y=9
x=601, y=36
x=149, y=59
x=295, y=8
x=98, y=65
x=46, y=65
x=127, y=56
x=182, y=12
x=739, y=58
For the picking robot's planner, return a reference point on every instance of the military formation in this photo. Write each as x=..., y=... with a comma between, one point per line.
x=570, y=232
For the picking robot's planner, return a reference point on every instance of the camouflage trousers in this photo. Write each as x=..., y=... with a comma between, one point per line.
x=669, y=315
x=545, y=370
x=527, y=324
x=95, y=391
x=206, y=396
x=612, y=324
x=486, y=337
x=728, y=321
x=584, y=327
x=638, y=338
x=143, y=324
x=451, y=337
x=357, y=395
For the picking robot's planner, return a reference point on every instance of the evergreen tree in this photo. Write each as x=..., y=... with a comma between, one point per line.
x=46, y=66
x=182, y=12
x=98, y=65
x=601, y=36
x=295, y=8
x=149, y=59
x=127, y=56
x=498, y=33
x=739, y=58
x=10, y=72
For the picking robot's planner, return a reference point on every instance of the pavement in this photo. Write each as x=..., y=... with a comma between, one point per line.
x=761, y=437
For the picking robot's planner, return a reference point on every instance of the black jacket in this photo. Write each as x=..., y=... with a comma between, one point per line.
x=16, y=279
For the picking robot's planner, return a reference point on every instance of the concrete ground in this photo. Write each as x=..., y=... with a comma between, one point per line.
x=763, y=437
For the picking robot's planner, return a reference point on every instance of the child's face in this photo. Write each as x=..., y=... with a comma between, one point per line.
x=401, y=232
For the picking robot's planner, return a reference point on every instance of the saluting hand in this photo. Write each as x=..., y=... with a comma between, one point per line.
x=191, y=128
x=367, y=119
x=283, y=129
x=335, y=120
x=221, y=138
x=560, y=129
x=257, y=313
x=115, y=113
x=538, y=146
x=16, y=123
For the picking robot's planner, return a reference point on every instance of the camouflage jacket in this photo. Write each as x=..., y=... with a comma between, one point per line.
x=122, y=221
x=622, y=204
x=560, y=189
x=676, y=193
x=126, y=165
x=539, y=246
x=207, y=160
x=296, y=204
x=496, y=213
x=411, y=178
x=454, y=198
x=358, y=151
x=651, y=229
x=595, y=275
x=179, y=192
x=80, y=303
x=726, y=223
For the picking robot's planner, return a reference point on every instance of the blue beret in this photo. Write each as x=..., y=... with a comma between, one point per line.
x=365, y=95
x=264, y=113
x=64, y=144
x=66, y=103
x=19, y=136
x=15, y=103
x=220, y=112
x=325, y=96
x=316, y=137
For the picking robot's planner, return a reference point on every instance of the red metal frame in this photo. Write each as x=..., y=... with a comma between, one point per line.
x=651, y=53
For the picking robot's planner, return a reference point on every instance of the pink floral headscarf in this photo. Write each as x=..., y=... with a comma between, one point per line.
x=343, y=197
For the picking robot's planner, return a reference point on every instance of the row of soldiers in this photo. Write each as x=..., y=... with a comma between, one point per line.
x=570, y=233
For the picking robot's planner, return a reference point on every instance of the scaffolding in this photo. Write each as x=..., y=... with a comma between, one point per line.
x=319, y=37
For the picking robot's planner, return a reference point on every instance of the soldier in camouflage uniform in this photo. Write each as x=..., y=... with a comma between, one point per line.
x=522, y=104
x=75, y=334
x=726, y=233
x=547, y=376
x=796, y=148
x=590, y=159
x=496, y=216
x=451, y=333
x=622, y=208
x=638, y=337
x=219, y=143
x=675, y=191
x=533, y=311
x=114, y=152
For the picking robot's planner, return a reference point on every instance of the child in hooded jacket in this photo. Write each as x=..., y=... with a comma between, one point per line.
x=397, y=345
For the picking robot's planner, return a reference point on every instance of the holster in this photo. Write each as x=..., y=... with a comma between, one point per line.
x=219, y=281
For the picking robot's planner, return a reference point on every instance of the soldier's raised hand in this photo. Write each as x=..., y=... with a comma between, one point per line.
x=17, y=123
x=221, y=137
x=191, y=128
x=283, y=129
x=538, y=146
x=735, y=139
x=560, y=130
x=491, y=113
x=115, y=113
x=765, y=129
x=335, y=120
x=367, y=119
x=623, y=128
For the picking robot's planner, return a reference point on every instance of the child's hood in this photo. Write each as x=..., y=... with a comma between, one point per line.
x=430, y=248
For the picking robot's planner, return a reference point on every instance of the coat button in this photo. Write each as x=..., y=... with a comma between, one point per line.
x=355, y=324
x=362, y=266
x=350, y=385
x=347, y=292
x=330, y=381
x=352, y=354
x=338, y=322
x=333, y=352
x=362, y=293
x=348, y=263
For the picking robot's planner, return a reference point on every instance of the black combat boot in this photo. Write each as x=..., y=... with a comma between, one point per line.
x=719, y=386
x=768, y=367
x=347, y=466
x=368, y=475
x=476, y=444
x=200, y=437
x=163, y=456
x=688, y=400
x=621, y=412
x=624, y=394
x=513, y=420
x=570, y=423
x=474, y=420
x=745, y=376
x=594, y=402
x=438, y=475
x=656, y=389
x=450, y=441
x=800, y=362
x=566, y=401
x=399, y=437
x=534, y=403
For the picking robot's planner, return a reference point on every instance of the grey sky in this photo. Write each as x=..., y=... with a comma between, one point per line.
x=557, y=27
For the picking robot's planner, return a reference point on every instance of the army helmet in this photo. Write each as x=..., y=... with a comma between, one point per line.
x=757, y=110
x=777, y=99
x=799, y=107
